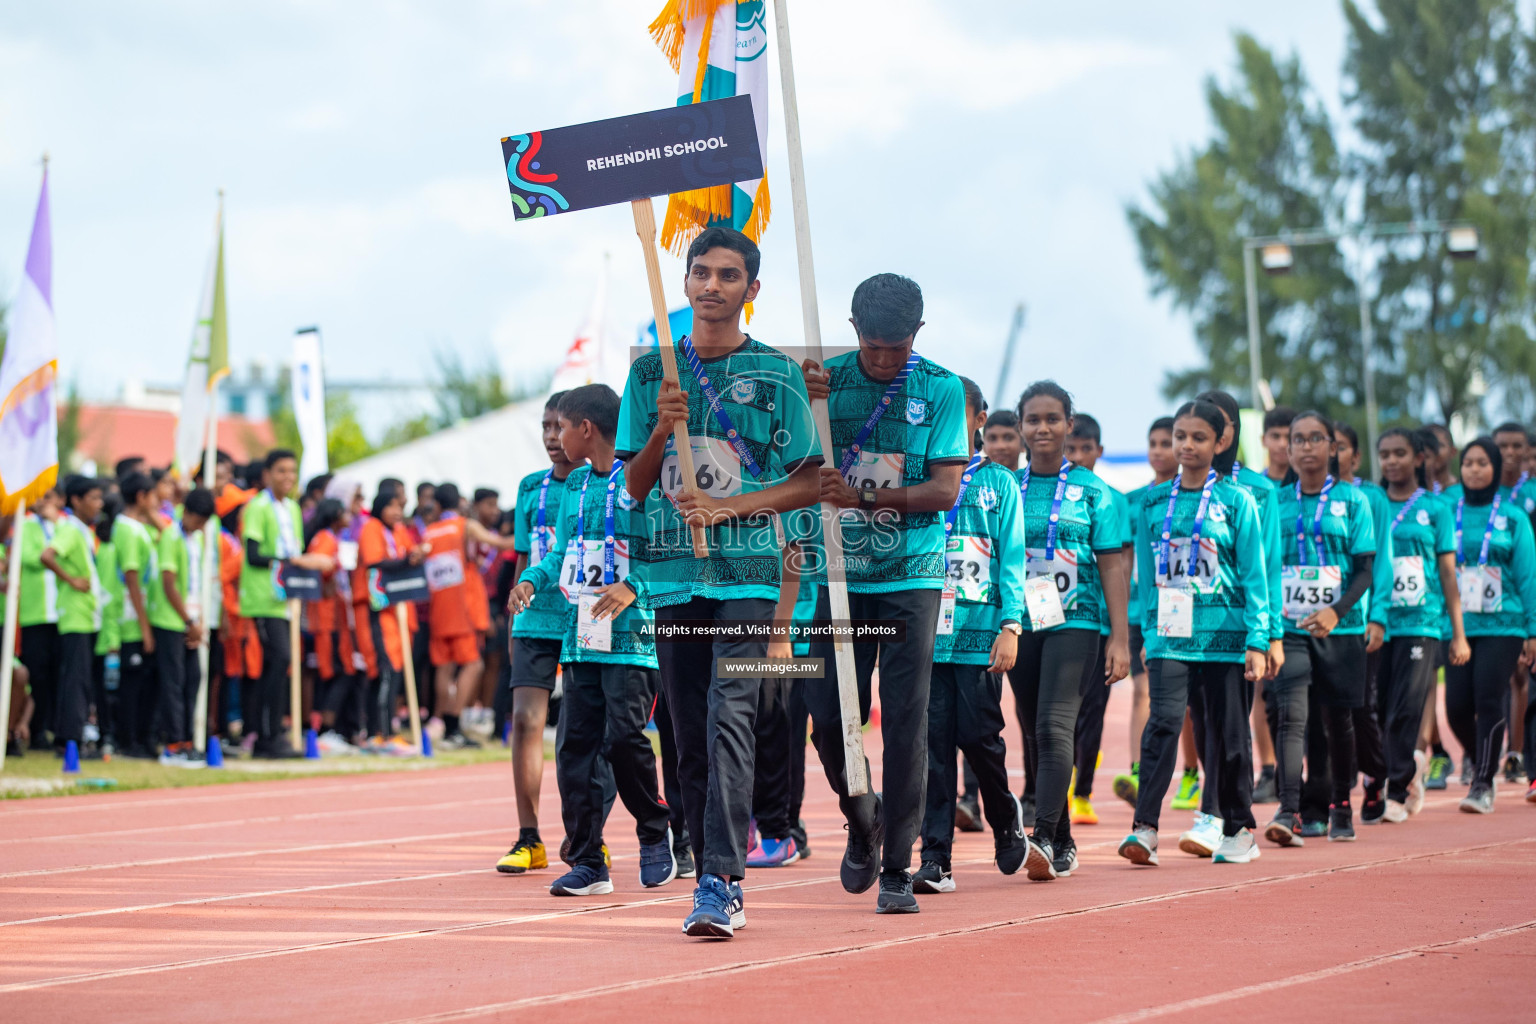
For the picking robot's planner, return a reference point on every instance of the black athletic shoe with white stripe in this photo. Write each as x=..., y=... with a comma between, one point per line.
x=932, y=877
x=896, y=894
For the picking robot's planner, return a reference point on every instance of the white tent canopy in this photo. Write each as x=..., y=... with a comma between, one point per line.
x=495, y=450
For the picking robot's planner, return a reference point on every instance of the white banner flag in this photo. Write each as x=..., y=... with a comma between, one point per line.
x=309, y=404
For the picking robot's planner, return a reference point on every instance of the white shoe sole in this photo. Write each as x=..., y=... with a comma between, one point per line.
x=1136, y=853
x=1195, y=846
x=946, y=884
x=1037, y=866
x=595, y=889
x=1243, y=858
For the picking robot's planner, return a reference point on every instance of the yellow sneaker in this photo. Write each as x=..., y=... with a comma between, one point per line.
x=1083, y=812
x=523, y=856
x=565, y=852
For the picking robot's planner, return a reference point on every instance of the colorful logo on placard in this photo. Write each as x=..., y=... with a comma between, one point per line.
x=532, y=195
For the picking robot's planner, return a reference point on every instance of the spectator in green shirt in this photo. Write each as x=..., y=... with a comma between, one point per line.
x=175, y=614
x=71, y=556
x=134, y=535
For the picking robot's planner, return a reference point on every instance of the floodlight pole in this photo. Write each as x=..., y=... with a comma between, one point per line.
x=1255, y=366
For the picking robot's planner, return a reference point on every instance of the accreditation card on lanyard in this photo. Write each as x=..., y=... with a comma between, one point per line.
x=1410, y=584
x=592, y=633
x=1306, y=589
x=287, y=541
x=1046, y=581
x=854, y=456
x=948, y=594
x=541, y=519
x=1176, y=597
x=1481, y=586
x=732, y=435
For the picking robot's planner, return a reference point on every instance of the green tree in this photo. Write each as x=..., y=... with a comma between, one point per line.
x=407, y=430
x=69, y=429
x=463, y=392
x=1272, y=164
x=1441, y=93
x=345, y=441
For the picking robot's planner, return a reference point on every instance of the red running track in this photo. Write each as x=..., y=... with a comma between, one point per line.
x=373, y=898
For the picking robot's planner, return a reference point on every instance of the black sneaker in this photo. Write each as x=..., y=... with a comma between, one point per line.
x=932, y=877
x=682, y=850
x=1039, y=861
x=896, y=894
x=1285, y=830
x=1373, y=806
x=1009, y=845
x=861, y=860
x=1514, y=768
x=1341, y=824
x=1466, y=771
x=1065, y=860
x=1265, y=789
x=797, y=833
x=968, y=815
x=1479, y=800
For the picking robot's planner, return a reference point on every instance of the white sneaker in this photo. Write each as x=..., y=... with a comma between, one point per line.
x=1203, y=837
x=332, y=742
x=1395, y=813
x=1238, y=849
x=1415, y=802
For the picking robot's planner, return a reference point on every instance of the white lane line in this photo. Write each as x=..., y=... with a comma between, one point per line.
x=265, y=820
x=76, y=979
x=1363, y=963
x=639, y=984
x=217, y=793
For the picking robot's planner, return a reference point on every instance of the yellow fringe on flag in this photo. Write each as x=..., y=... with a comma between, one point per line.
x=668, y=28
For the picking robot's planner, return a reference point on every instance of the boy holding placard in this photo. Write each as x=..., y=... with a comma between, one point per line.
x=609, y=650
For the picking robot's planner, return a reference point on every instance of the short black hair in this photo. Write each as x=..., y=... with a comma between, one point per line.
x=317, y=485
x=482, y=493
x=391, y=484
x=720, y=237
x=1003, y=418
x=80, y=486
x=1509, y=427
x=594, y=402
x=1085, y=427
x=199, y=502
x=447, y=497
x=1046, y=389
x=1279, y=416
x=127, y=465
x=277, y=455
x=111, y=508
x=135, y=484
x=973, y=395
x=553, y=401
x=887, y=307
x=423, y=487
x=389, y=490
x=1350, y=433
x=1161, y=423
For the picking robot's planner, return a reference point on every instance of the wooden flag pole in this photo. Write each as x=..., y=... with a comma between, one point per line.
x=209, y=609
x=410, y=673
x=645, y=227
x=295, y=666
x=855, y=768
x=8, y=625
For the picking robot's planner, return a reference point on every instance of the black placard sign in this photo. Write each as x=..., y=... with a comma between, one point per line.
x=401, y=585
x=299, y=584
x=634, y=157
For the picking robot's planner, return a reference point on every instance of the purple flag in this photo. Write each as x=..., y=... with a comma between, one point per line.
x=29, y=426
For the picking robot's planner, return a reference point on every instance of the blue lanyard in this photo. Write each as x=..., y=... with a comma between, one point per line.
x=580, y=539
x=721, y=416
x=852, y=454
x=1165, y=550
x=1055, y=521
x=1403, y=512
x=287, y=543
x=1237, y=467
x=965, y=485
x=608, y=530
x=1482, y=555
x=1317, y=524
x=540, y=518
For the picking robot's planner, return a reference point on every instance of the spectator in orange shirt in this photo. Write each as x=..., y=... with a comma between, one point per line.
x=383, y=543
x=338, y=697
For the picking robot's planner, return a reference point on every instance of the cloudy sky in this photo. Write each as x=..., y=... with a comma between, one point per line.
x=986, y=149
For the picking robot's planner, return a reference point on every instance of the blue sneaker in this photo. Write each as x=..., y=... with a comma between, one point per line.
x=582, y=880
x=658, y=864
x=718, y=909
x=773, y=853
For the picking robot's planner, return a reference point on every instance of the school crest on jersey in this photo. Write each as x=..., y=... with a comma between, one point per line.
x=1501, y=522
x=917, y=410
x=627, y=501
x=1074, y=492
x=1422, y=517
x=986, y=497
x=1337, y=508
x=743, y=391
x=1217, y=512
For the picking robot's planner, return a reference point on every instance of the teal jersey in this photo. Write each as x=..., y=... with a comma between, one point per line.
x=579, y=565
x=1381, y=513
x=1123, y=512
x=545, y=618
x=1510, y=595
x=984, y=556
x=1265, y=495
x=806, y=596
x=886, y=551
x=762, y=395
x=1089, y=526
x=1131, y=509
x=1416, y=605
x=1521, y=496
x=1230, y=585
x=1349, y=529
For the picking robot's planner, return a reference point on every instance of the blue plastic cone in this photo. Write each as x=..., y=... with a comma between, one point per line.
x=71, y=758
x=506, y=732
x=426, y=742
x=311, y=745
x=215, y=753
